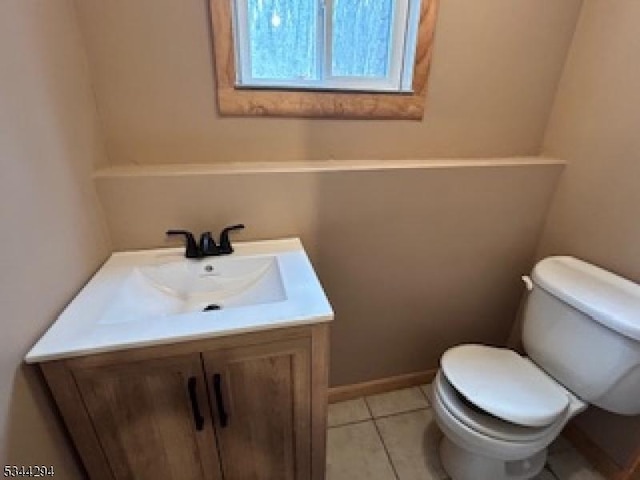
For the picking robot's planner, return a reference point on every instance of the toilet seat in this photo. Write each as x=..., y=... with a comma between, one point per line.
x=505, y=385
x=482, y=422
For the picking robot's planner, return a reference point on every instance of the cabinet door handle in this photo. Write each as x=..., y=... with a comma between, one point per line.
x=217, y=390
x=193, y=395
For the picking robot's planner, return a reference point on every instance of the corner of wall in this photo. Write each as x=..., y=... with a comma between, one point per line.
x=105, y=159
x=543, y=148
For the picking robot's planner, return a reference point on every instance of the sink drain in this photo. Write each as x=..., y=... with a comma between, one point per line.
x=210, y=307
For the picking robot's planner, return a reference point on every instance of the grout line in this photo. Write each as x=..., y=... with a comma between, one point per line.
x=424, y=394
x=384, y=445
x=547, y=465
x=400, y=413
x=549, y=468
x=354, y=422
x=372, y=417
x=419, y=387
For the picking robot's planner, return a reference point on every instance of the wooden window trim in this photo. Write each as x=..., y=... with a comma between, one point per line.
x=292, y=103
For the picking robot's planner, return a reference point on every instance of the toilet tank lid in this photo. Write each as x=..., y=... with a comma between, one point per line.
x=606, y=297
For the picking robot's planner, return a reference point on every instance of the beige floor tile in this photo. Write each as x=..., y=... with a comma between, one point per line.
x=426, y=389
x=355, y=452
x=570, y=465
x=412, y=442
x=348, y=412
x=397, y=401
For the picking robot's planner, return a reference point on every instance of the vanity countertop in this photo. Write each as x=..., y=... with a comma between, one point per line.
x=83, y=328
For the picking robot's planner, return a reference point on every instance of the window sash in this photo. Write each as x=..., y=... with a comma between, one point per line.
x=401, y=53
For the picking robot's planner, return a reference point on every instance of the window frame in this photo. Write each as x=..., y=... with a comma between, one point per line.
x=292, y=102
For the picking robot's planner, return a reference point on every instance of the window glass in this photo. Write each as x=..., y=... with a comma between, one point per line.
x=361, y=37
x=282, y=39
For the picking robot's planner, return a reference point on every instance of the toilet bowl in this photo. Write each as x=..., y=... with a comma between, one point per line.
x=499, y=410
x=477, y=445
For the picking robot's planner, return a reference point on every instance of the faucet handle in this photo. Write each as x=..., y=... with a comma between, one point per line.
x=225, y=244
x=208, y=245
x=192, y=249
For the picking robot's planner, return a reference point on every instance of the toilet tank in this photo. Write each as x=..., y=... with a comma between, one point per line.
x=582, y=326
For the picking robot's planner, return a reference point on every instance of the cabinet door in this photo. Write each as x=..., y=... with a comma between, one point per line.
x=152, y=418
x=261, y=400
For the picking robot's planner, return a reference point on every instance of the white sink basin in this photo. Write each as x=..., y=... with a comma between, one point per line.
x=172, y=286
x=153, y=297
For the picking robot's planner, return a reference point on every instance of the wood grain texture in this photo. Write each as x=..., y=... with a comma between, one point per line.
x=319, y=397
x=143, y=417
x=130, y=417
x=252, y=102
x=266, y=395
x=71, y=407
x=357, y=390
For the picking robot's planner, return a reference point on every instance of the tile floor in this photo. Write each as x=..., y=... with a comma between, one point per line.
x=393, y=436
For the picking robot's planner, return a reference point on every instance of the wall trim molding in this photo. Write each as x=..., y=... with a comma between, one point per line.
x=317, y=166
x=382, y=385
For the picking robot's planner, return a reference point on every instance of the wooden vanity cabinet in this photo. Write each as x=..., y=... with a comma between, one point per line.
x=261, y=398
x=249, y=406
x=143, y=416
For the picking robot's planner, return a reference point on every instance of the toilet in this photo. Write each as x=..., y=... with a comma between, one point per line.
x=499, y=410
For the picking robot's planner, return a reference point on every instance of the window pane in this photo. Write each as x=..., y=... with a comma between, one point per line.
x=361, y=31
x=282, y=38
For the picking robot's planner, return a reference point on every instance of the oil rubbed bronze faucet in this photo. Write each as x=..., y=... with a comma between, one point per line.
x=207, y=246
x=225, y=247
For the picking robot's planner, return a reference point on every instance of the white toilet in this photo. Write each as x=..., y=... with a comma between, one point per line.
x=499, y=411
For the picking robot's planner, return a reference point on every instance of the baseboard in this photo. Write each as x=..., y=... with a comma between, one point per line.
x=382, y=385
x=598, y=458
x=633, y=473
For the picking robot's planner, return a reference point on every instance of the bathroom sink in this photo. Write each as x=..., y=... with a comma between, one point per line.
x=172, y=286
x=153, y=297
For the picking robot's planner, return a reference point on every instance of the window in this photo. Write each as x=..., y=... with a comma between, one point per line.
x=326, y=44
x=347, y=58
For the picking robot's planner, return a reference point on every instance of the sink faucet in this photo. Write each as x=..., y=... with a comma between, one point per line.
x=192, y=251
x=225, y=244
x=207, y=246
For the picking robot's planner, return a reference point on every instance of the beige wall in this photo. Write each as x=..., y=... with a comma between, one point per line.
x=494, y=74
x=413, y=259
x=596, y=127
x=53, y=236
